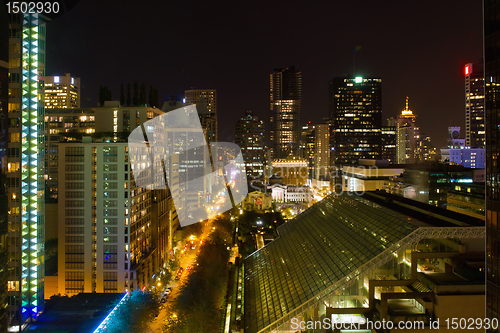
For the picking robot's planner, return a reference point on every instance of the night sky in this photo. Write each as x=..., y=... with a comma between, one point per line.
x=417, y=48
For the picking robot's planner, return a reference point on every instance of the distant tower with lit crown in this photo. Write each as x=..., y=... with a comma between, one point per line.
x=407, y=134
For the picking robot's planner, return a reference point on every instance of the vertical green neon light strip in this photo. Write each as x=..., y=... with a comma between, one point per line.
x=29, y=166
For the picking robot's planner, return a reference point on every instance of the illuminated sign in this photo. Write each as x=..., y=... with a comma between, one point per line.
x=358, y=79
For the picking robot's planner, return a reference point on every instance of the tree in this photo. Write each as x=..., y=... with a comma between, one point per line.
x=107, y=94
x=135, y=98
x=128, y=94
x=155, y=98
x=101, y=95
x=122, y=94
x=104, y=94
x=142, y=96
x=197, y=308
x=150, y=99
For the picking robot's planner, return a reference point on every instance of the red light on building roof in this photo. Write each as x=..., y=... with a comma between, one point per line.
x=467, y=70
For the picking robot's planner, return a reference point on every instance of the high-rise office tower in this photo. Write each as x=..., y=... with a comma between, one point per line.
x=491, y=30
x=308, y=146
x=356, y=119
x=389, y=141
x=108, y=237
x=426, y=150
x=304, y=131
x=95, y=234
x=474, y=107
x=4, y=116
x=408, y=135
x=249, y=135
x=208, y=116
x=62, y=92
x=322, y=152
x=285, y=101
x=25, y=169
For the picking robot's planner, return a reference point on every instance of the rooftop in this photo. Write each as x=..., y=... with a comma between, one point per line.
x=314, y=251
x=328, y=247
x=81, y=313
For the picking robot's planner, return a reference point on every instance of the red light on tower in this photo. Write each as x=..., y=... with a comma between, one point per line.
x=468, y=69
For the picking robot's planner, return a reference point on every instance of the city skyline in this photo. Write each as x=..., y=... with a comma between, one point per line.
x=414, y=62
x=344, y=190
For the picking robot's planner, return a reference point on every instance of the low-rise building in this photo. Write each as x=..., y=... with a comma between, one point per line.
x=290, y=193
x=466, y=156
x=368, y=175
x=430, y=183
x=258, y=201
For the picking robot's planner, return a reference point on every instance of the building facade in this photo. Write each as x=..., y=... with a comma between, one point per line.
x=466, y=156
x=4, y=198
x=291, y=171
x=458, y=152
x=408, y=137
x=389, y=141
x=62, y=92
x=356, y=119
x=106, y=234
x=285, y=104
x=491, y=14
x=208, y=116
x=308, y=146
x=70, y=125
x=25, y=169
x=290, y=193
x=474, y=106
x=322, y=152
x=249, y=135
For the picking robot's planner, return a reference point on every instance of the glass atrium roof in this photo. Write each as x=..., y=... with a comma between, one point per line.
x=314, y=251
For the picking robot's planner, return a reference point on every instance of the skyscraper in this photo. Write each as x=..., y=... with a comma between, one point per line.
x=474, y=107
x=322, y=152
x=285, y=102
x=356, y=119
x=105, y=232
x=389, y=140
x=249, y=135
x=4, y=216
x=491, y=30
x=62, y=92
x=308, y=146
x=408, y=133
x=208, y=116
x=25, y=168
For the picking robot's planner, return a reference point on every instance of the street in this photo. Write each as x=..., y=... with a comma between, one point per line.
x=188, y=259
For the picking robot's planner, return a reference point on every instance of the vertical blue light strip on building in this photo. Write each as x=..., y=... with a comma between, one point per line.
x=29, y=165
